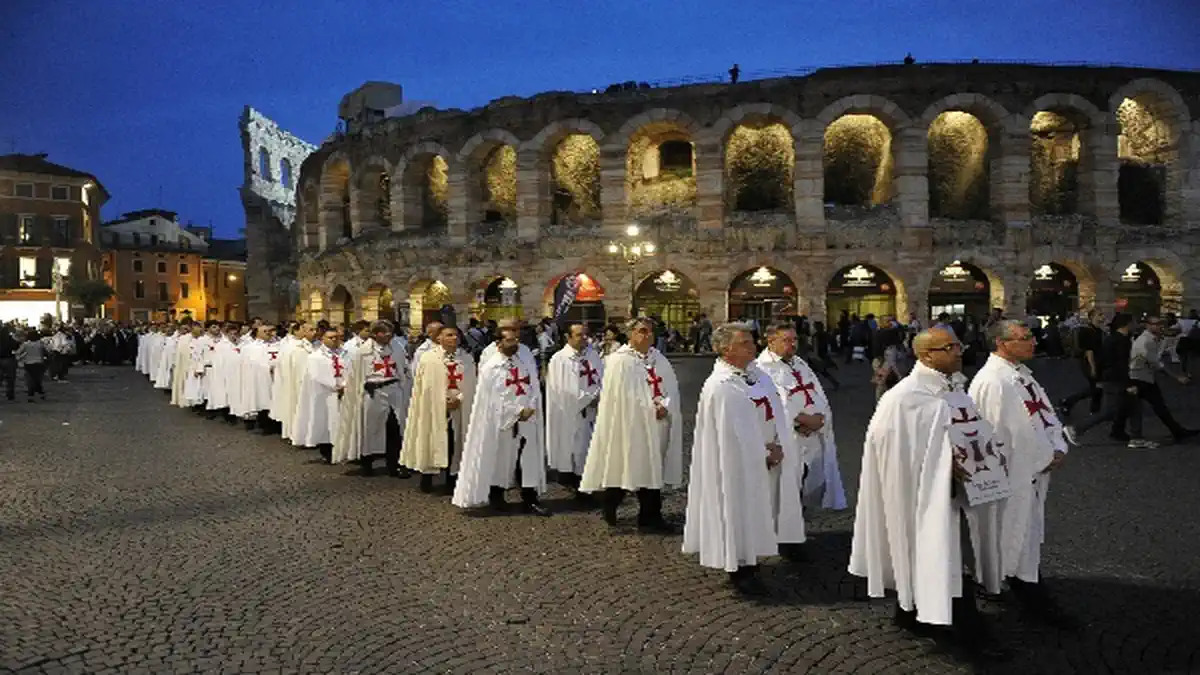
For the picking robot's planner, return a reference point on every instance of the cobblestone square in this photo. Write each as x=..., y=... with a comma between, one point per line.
x=139, y=538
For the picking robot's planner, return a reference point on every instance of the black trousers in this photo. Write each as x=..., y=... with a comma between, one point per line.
x=34, y=372
x=8, y=375
x=1119, y=407
x=1093, y=392
x=57, y=365
x=1152, y=394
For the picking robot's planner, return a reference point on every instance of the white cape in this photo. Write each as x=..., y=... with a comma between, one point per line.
x=426, y=447
x=316, y=418
x=572, y=384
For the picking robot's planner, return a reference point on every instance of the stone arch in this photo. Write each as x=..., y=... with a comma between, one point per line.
x=1066, y=148
x=999, y=285
x=965, y=136
x=341, y=306
x=264, y=163
x=900, y=287
x=314, y=305
x=776, y=294
x=370, y=193
x=334, y=200
x=488, y=161
x=564, y=158
x=420, y=188
x=649, y=188
x=589, y=307
x=497, y=296
x=377, y=302
x=865, y=104
x=758, y=145
x=1094, y=289
x=669, y=293
x=1152, y=120
x=308, y=209
x=426, y=297
x=1168, y=266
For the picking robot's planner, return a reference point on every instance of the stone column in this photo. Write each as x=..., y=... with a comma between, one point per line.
x=614, y=205
x=1099, y=144
x=533, y=195
x=459, y=202
x=1188, y=168
x=911, y=185
x=808, y=179
x=710, y=183
x=1009, y=179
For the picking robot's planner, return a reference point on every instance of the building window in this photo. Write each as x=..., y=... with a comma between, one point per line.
x=205, y=275
x=163, y=293
x=285, y=173
x=63, y=266
x=161, y=267
x=28, y=271
x=87, y=227
x=137, y=239
x=25, y=231
x=62, y=231
x=141, y=315
x=183, y=269
x=137, y=266
x=139, y=289
x=23, y=190
x=183, y=290
x=60, y=193
x=264, y=164
x=154, y=240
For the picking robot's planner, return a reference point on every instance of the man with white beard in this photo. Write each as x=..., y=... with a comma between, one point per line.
x=259, y=361
x=572, y=393
x=505, y=445
x=440, y=409
x=811, y=415
x=929, y=462
x=638, y=442
x=1011, y=399
x=730, y=517
x=316, y=419
x=375, y=404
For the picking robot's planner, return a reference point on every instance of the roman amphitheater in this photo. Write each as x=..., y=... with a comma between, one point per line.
x=905, y=189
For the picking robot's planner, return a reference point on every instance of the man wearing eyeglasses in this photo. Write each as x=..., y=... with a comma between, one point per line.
x=1026, y=425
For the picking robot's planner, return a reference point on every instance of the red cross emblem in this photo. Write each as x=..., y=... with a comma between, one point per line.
x=801, y=386
x=337, y=367
x=1036, y=406
x=386, y=366
x=966, y=418
x=654, y=381
x=586, y=370
x=452, y=375
x=765, y=402
x=237, y=350
x=514, y=378
x=273, y=355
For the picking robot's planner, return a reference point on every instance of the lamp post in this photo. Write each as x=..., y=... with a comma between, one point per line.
x=632, y=249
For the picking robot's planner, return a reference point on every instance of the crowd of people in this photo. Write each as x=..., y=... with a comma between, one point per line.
x=36, y=353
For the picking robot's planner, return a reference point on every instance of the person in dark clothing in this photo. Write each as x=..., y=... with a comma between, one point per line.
x=8, y=362
x=1120, y=402
x=1088, y=340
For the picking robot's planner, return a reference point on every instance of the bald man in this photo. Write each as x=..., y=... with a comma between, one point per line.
x=925, y=440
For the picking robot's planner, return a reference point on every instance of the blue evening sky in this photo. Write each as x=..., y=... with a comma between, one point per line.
x=146, y=95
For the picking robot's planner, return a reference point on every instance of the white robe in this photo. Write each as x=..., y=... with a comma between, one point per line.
x=218, y=375
x=143, y=347
x=362, y=426
x=182, y=370
x=197, y=369
x=799, y=386
x=572, y=386
x=1011, y=399
x=283, y=388
x=166, y=362
x=729, y=519
x=316, y=419
x=426, y=446
x=524, y=353
x=234, y=376
x=153, y=353
x=294, y=366
x=259, y=360
x=632, y=449
x=786, y=479
x=490, y=457
x=906, y=524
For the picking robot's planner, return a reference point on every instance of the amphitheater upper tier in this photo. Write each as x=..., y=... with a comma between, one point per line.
x=900, y=189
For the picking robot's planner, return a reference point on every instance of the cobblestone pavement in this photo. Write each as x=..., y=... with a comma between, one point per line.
x=136, y=538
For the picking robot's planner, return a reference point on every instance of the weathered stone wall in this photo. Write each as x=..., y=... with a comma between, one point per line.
x=1001, y=225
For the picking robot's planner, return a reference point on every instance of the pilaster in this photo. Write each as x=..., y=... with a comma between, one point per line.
x=808, y=180
x=911, y=176
x=614, y=205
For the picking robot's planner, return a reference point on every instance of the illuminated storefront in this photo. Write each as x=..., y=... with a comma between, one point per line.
x=860, y=289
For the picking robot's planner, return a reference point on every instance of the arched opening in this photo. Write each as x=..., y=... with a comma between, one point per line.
x=426, y=183
x=858, y=161
x=316, y=306
x=285, y=173
x=498, y=185
x=660, y=169
x=1054, y=162
x=860, y=289
x=1139, y=291
x=588, y=307
x=310, y=211
x=763, y=293
x=575, y=172
x=500, y=299
x=958, y=167
x=426, y=301
x=960, y=290
x=335, y=204
x=1146, y=148
x=341, y=306
x=377, y=303
x=373, y=198
x=669, y=296
x=1053, y=292
x=759, y=162
x=264, y=164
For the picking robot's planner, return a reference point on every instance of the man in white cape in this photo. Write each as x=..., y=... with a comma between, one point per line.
x=908, y=522
x=166, y=358
x=284, y=387
x=140, y=363
x=523, y=351
x=223, y=361
x=260, y=358
x=572, y=392
x=505, y=445
x=440, y=409
x=730, y=516
x=812, y=416
x=1013, y=401
x=320, y=394
x=638, y=442
x=184, y=370
x=433, y=331
x=294, y=367
x=375, y=405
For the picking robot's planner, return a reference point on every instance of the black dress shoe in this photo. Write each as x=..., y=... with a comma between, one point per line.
x=537, y=509
x=745, y=582
x=426, y=483
x=794, y=552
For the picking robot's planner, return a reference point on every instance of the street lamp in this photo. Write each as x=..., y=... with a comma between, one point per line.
x=632, y=249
